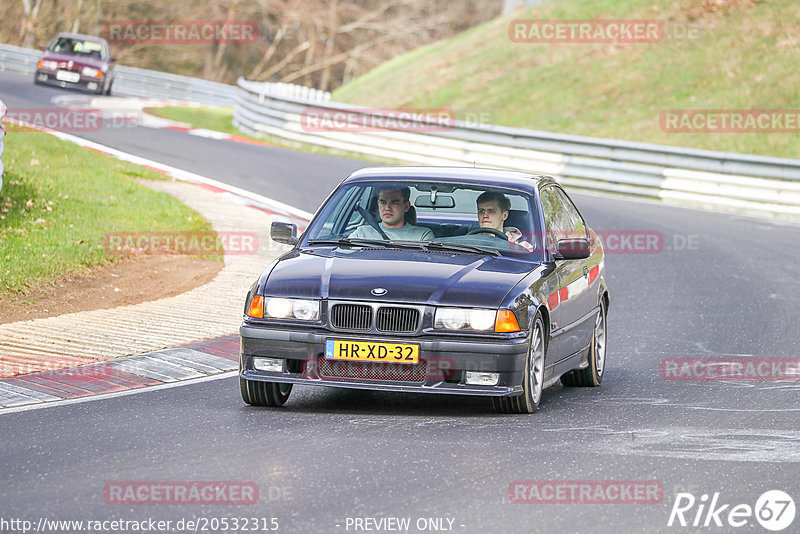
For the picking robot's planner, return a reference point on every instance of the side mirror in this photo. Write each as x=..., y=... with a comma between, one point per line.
x=42, y=47
x=573, y=249
x=113, y=59
x=285, y=233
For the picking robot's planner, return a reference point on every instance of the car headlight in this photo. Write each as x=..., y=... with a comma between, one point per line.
x=91, y=72
x=283, y=308
x=47, y=64
x=459, y=318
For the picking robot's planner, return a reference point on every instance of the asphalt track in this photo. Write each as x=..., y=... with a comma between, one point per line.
x=721, y=286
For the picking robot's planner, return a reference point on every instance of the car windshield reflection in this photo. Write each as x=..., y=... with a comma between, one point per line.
x=460, y=218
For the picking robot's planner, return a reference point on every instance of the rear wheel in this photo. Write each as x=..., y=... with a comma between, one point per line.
x=256, y=393
x=592, y=376
x=533, y=382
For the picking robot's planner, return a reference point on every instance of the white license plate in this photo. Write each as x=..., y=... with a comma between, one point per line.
x=369, y=351
x=66, y=76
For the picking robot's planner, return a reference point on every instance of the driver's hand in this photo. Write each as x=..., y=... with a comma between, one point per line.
x=515, y=236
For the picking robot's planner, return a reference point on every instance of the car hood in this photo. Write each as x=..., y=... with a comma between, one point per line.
x=406, y=275
x=79, y=61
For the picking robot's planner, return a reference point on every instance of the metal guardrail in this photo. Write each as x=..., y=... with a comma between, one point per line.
x=718, y=180
x=701, y=178
x=152, y=84
x=133, y=81
x=17, y=59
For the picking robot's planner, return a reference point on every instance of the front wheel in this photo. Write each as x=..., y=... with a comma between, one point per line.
x=533, y=382
x=592, y=376
x=256, y=393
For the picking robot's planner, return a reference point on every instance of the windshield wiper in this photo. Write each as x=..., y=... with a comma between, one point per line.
x=438, y=245
x=358, y=242
x=347, y=242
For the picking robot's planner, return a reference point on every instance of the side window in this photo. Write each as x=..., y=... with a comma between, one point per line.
x=342, y=218
x=577, y=228
x=360, y=196
x=560, y=216
x=554, y=219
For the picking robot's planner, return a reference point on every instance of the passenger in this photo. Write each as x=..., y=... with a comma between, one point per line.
x=392, y=207
x=493, y=210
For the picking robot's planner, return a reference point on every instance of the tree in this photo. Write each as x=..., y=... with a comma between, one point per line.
x=319, y=43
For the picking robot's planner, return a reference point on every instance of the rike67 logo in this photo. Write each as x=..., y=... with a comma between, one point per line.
x=774, y=510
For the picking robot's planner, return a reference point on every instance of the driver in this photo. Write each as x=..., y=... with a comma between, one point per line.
x=493, y=210
x=392, y=206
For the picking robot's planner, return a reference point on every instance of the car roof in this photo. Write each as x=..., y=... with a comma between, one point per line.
x=471, y=175
x=83, y=36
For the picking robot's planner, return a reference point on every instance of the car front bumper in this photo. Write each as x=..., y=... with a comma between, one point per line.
x=442, y=368
x=84, y=83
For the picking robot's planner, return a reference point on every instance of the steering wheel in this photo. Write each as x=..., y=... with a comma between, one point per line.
x=494, y=231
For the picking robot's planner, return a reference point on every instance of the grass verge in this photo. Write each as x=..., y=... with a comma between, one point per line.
x=59, y=201
x=720, y=55
x=217, y=118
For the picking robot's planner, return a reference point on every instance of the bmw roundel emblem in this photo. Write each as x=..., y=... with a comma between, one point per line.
x=378, y=291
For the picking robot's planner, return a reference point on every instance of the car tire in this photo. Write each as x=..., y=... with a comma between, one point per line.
x=257, y=393
x=533, y=381
x=592, y=376
x=108, y=90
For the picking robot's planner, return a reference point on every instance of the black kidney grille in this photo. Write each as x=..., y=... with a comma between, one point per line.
x=351, y=316
x=397, y=319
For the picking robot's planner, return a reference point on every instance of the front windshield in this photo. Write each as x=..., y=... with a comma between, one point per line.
x=81, y=47
x=457, y=217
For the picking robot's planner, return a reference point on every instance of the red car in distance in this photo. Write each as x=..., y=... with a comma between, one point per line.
x=77, y=61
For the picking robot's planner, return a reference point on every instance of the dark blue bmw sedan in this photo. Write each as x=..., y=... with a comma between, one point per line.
x=432, y=280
